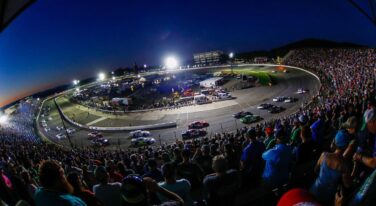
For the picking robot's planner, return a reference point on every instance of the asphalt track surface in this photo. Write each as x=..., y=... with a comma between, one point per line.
x=218, y=114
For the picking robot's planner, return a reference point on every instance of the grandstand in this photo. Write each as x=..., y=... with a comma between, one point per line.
x=338, y=128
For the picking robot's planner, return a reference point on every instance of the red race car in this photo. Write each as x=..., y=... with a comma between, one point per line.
x=198, y=125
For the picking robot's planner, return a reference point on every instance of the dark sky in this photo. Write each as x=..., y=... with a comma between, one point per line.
x=54, y=42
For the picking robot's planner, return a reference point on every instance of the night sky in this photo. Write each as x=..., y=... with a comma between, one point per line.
x=54, y=42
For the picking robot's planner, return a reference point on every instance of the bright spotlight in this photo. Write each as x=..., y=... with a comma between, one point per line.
x=145, y=66
x=171, y=62
x=101, y=76
x=231, y=55
x=113, y=78
x=3, y=119
x=75, y=82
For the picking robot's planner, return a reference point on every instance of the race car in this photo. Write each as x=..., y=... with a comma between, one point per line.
x=139, y=133
x=264, y=106
x=100, y=142
x=61, y=136
x=241, y=114
x=279, y=99
x=193, y=133
x=142, y=141
x=250, y=119
x=302, y=91
x=94, y=135
x=275, y=109
x=198, y=125
x=59, y=128
x=70, y=130
x=290, y=99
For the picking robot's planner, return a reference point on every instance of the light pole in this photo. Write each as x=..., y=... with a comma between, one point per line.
x=231, y=55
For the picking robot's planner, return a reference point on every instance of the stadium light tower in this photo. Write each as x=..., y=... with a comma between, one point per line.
x=171, y=63
x=3, y=119
x=76, y=82
x=231, y=56
x=101, y=76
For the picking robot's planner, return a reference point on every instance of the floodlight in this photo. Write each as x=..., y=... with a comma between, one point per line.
x=75, y=82
x=3, y=119
x=145, y=66
x=113, y=78
x=101, y=76
x=231, y=55
x=171, y=62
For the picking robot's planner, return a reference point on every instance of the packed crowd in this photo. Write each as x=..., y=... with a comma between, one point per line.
x=325, y=154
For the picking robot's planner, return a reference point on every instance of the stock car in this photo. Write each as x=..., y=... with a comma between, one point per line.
x=100, y=142
x=290, y=99
x=302, y=91
x=142, y=141
x=279, y=99
x=61, y=136
x=264, y=106
x=198, y=125
x=94, y=135
x=241, y=114
x=139, y=133
x=193, y=133
x=250, y=119
x=70, y=130
x=275, y=109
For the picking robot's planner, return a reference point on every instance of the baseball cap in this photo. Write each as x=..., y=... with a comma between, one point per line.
x=341, y=139
x=133, y=190
x=296, y=197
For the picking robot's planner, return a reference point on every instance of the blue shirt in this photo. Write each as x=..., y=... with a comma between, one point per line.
x=317, y=130
x=47, y=198
x=251, y=155
x=182, y=188
x=278, y=160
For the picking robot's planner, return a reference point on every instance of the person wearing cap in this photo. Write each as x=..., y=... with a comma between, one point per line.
x=277, y=163
x=269, y=141
x=333, y=170
x=251, y=162
x=108, y=193
x=351, y=126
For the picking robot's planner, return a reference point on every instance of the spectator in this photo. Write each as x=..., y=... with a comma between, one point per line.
x=305, y=151
x=221, y=187
x=31, y=186
x=190, y=171
x=107, y=193
x=153, y=172
x=204, y=159
x=251, y=159
x=277, y=166
x=78, y=190
x=269, y=141
x=55, y=189
x=181, y=187
x=135, y=191
x=333, y=169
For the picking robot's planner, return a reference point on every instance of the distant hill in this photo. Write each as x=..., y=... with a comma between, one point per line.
x=306, y=43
